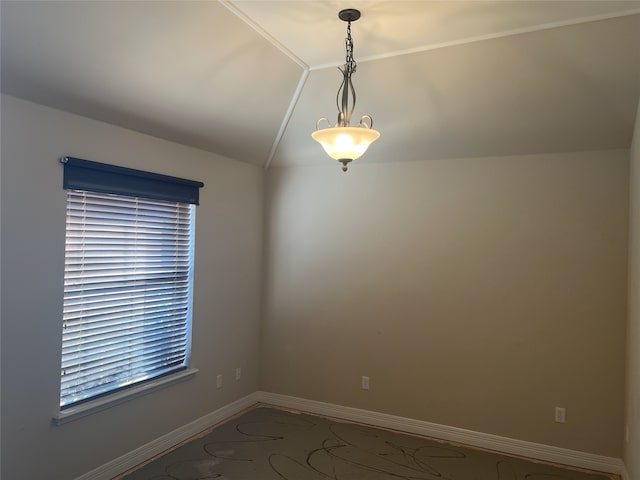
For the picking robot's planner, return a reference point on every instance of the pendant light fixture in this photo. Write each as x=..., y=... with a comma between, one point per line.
x=343, y=142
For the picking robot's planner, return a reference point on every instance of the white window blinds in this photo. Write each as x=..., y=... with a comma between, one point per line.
x=127, y=292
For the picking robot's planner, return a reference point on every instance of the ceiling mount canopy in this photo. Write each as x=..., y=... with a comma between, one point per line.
x=349, y=15
x=343, y=142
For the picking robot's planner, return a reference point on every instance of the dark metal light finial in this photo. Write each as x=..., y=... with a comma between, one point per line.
x=345, y=163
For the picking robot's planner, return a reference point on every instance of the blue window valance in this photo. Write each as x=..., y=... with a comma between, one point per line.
x=92, y=176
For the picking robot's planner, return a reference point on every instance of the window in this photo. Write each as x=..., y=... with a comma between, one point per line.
x=128, y=278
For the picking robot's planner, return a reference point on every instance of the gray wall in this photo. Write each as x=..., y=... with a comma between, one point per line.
x=226, y=295
x=632, y=446
x=477, y=293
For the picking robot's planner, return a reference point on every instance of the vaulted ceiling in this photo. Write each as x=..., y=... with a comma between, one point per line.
x=249, y=79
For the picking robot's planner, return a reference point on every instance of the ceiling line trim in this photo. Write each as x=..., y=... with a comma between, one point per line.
x=491, y=36
x=287, y=117
x=271, y=39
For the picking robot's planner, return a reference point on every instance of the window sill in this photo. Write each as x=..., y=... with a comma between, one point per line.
x=91, y=407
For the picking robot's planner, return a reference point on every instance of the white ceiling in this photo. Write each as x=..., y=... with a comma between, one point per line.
x=249, y=79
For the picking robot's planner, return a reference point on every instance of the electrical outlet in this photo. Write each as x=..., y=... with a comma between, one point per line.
x=560, y=415
x=238, y=373
x=365, y=382
x=219, y=381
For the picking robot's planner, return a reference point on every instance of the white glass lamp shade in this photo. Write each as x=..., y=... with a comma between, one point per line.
x=345, y=143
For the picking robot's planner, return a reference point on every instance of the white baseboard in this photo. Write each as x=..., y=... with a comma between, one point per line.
x=453, y=434
x=142, y=454
x=468, y=437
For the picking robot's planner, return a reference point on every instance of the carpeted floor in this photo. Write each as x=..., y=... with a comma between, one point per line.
x=271, y=444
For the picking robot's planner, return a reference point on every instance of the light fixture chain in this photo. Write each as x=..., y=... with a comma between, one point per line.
x=350, y=63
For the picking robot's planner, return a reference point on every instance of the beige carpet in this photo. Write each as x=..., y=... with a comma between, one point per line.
x=271, y=444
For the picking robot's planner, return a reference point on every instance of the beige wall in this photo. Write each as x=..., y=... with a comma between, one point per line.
x=226, y=310
x=477, y=293
x=632, y=446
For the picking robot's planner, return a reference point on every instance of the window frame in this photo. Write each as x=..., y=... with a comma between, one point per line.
x=103, y=178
